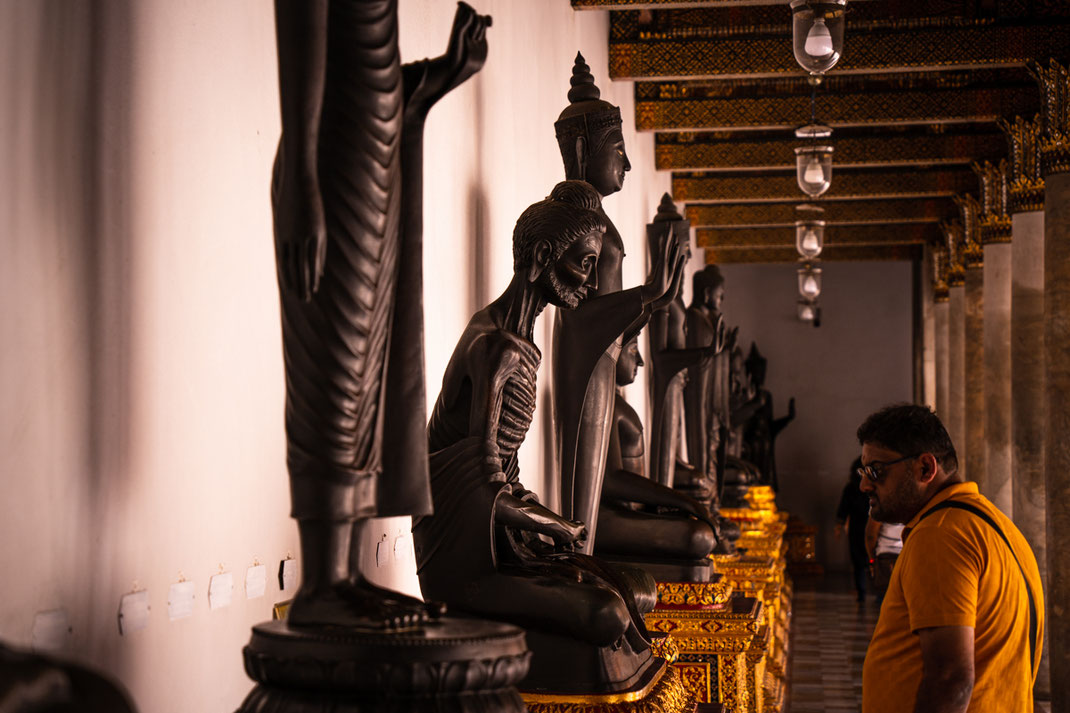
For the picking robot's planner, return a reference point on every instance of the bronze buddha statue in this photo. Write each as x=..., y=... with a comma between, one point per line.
x=588, y=340
x=491, y=549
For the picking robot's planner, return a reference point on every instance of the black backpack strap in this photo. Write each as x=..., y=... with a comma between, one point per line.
x=957, y=505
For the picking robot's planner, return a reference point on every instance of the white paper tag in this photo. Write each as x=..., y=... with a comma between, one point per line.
x=133, y=612
x=288, y=574
x=255, y=581
x=180, y=600
x=220, y=591
x=51, y=630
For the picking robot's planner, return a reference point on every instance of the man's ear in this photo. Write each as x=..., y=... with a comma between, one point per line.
x=540, y=259
x=929, y=468
x=581, y=158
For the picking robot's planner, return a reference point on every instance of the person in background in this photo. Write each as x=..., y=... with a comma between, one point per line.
x=884, y=541
x=852, y=516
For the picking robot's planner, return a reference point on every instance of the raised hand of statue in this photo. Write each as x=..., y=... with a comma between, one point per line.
x=300, y=234
x=666, y=277
x=467, y=49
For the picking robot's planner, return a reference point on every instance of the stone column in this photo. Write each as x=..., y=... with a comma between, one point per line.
x=1028, y=424
x=974, y=357
x=941, y=314
x=955, y=418
x=996, y=238
x=1055, y=162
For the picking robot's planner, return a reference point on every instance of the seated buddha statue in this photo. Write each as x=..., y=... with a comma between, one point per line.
x=491, y=549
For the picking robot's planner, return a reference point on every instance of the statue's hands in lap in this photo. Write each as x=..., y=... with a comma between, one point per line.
x=663, y=282
x=300, y=234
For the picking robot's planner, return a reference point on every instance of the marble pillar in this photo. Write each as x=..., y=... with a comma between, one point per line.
x=941, y=314
x=1057, y=446
x=974, y=365
x=955, y=420
x=996, y=325
x=1027, y=392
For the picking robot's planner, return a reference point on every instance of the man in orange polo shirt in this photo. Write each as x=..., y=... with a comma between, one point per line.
x=963, y=618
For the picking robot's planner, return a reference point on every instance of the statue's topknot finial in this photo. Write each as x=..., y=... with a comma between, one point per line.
x=667, y=212
x=583, y=86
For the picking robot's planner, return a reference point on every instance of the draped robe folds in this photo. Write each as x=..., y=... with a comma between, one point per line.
x=336, y=346
x=587, y=342
x=467, y=559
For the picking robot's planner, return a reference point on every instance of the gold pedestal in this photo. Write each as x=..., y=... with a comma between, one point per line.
x=664, y=693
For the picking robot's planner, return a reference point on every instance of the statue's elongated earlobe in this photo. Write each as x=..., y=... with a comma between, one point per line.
x=581, y=158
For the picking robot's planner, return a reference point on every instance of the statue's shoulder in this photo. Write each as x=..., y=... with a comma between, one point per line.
x=489, y=345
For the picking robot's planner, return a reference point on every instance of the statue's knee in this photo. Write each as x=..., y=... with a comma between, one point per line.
x=701, y=540
x=609, y=618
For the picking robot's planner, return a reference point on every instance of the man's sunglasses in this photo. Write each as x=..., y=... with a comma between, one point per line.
x=875, y=470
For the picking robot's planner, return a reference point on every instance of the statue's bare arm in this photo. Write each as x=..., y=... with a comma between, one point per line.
x=300, y=227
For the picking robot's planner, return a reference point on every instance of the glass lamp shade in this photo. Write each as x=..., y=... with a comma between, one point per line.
x=817, y=33
x=809, y=237
x=809, y=282
x=807, y=310
x=813, y=169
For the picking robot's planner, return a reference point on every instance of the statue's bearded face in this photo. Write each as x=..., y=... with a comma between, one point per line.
x=572, y=275
x=607, y=164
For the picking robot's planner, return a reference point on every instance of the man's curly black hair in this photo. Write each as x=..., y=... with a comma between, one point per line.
x=910, y=429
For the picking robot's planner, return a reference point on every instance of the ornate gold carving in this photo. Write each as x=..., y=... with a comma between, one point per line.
x=699, y=186
x=699, y=53
x=941, y=290
x=665, y=647
x=665, y=694
x=1054, y=82
x=693, y=593
x=732, y=682
x=994, y=223
x=973, y=251
x=699, y=679
x=852, y=253
x=956, y=260
x=684, y=106
x=784, y=236
x=1026, y=189
x=672, y=150
x=705, y=215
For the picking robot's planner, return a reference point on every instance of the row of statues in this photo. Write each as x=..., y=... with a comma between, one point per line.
x=348, y=224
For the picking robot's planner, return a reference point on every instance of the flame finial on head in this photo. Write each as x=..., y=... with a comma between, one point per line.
x=582, y=83
x=667, y=212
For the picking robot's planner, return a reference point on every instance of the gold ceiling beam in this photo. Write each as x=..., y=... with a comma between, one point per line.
x=845, y=101
x=846, y=184
x=726, y=256
x=835, y=235
x=927, y=44
x=704, y=215
x=941, y=144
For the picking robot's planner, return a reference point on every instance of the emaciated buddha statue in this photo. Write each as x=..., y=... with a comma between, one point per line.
x=588, y=340
x=491, y=549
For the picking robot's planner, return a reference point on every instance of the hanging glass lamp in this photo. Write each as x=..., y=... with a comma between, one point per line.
x=807, y=310
x=809, y=238
x=817, y=33
x=813, y=169
x=809, y=281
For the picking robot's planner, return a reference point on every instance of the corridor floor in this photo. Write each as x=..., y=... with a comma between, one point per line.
x=830, y=632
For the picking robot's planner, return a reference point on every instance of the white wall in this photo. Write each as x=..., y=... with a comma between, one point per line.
x=857, y=361
x=141, y=435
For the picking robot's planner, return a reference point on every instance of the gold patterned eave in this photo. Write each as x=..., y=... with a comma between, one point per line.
x=842, y=235
x=682, y=110
x=704, y=215
x=693, y=593
x=693, y=187
x=694, y=150
x=871, y=253
x=881, y=48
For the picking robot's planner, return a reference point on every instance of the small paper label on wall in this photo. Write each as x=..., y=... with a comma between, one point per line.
x=220, y=591
x=51, y=630
x=287, y=574
x=133, y=612
x=255, y=581
x=180, y=600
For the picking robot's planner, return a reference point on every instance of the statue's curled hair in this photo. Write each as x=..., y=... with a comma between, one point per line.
x=569, y=213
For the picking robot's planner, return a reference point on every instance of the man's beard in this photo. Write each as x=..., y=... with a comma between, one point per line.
x=898, y=505
x=556, y=293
